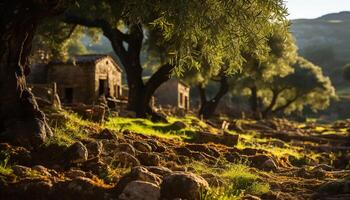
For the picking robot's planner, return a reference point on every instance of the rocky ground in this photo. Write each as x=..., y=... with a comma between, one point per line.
x=272, y=159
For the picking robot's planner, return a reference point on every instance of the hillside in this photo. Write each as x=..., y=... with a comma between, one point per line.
x=325, y=41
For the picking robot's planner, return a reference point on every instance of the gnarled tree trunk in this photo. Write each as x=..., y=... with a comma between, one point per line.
x=208, y=107
x=21, y=121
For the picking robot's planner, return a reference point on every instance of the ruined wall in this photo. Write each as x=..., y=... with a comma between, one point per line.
x=106, y=70
x=78, y=77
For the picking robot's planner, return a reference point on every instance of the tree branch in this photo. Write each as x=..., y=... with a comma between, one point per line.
x=162, y=75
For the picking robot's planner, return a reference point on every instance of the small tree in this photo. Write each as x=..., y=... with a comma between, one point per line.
x=306, y=86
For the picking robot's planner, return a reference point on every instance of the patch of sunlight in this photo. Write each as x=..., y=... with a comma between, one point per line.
x=238, y=180
x=147, y=127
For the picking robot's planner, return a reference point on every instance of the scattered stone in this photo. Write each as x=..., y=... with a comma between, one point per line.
x=75, y=173
x=183, y=185
x=213, y=180
x=94, y=149
x=178, y=125
x=123, y=159
x=203, y=148
x=225, y=139
x=140, y=190
x=335, y=187
x=106, y=134
x=149, y=159
x=21, y=171
x=161, y=171
x=250, y=197
x=42, y=170
x=127, y=148
x=324, y=167
x=77, y=153
x=156, y=146
x=141, y=146
x=263, y=162
x=137, y=173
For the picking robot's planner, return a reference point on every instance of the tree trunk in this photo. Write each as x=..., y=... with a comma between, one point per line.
x=254, y=103
x=21, y=121
x=208, y=108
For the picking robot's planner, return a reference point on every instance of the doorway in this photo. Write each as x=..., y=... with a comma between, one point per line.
x=102, y=87
x=68, y=95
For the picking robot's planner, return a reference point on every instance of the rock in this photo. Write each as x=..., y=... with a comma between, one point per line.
x=75, y=173
x=204, y=149
x=140, y=190
x=77, y=153
x=106, y=134
x=178, y=125
x=225, y=139
x=28, y=189
x=123, y=159
x=96, y=166
x=183, y=185
x=335, y=187
x=250, y=197
x=156, y=146
x=83, y=188
x=94, y=149
x=213, y=180
x=42, y=170
x=232, y=157
x=17, y=155
x=21, y=171
x=324, y=167
x=149, y=159
x=125, y=147
x=141, y=146
x=161, y=171
x=137, y=174
x=263, y=162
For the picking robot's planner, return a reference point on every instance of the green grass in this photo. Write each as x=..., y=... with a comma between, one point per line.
x=238, y=178
x=70, y=127
x=160, y=129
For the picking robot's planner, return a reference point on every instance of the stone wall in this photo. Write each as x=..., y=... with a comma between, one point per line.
x=173, y=93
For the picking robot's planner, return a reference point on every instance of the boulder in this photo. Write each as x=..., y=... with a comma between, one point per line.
x=42, y=170
x=161, y=171
x=76, y=153
x=141, y=146
x=74, y=173
x=125, y=147
x=335, y=187
x=106, y=134
x=21, y=171
x=140, y=190
x=263, y=162
x=123, y=159
x=224, y=139
x=178, y=125
x=137, y=174
x=183, y=185
x=94, y=149
x=149, y=159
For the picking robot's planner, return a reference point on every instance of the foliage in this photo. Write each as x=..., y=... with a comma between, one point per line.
x=306, y=86
x=346, y=73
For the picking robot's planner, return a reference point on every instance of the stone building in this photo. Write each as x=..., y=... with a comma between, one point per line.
x=174, y=93
x=82, y=79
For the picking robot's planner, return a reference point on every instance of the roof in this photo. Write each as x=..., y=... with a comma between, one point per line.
x=87, y=58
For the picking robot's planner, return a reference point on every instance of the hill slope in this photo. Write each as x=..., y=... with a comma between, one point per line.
x=325, y=41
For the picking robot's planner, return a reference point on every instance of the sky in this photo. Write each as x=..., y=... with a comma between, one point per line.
x=315, y=8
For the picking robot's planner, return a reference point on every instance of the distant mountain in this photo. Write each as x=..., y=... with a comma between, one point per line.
x=326, y=42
